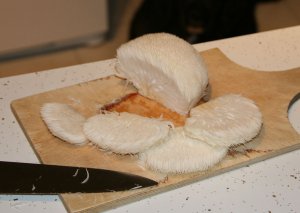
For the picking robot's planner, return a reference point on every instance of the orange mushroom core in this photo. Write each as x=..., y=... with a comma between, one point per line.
x=140, y=105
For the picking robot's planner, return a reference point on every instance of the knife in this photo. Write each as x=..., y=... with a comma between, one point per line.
x=27, y=178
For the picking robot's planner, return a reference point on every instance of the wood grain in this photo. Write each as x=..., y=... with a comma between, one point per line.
x=272, y=91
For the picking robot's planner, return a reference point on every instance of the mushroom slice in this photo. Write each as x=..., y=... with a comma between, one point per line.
x=64, y=122
x=181, y=154
x=225, y=121
x=164, y=68
x=125, y=133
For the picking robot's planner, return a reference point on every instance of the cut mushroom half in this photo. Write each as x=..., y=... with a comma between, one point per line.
x=64, y=122
x=125, y=133
x=182, y=154
x=164, y=68
x=225, y=121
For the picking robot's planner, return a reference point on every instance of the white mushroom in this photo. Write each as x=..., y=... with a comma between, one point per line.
x=125, y=133
x=164, y=68
x=168, y=70
x=181, y=154
x=225, y=121
x=64, y=122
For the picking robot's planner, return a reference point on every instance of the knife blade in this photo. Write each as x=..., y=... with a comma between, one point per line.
x=27, y=178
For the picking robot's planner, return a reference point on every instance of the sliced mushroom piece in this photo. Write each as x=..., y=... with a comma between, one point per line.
x=164, y=68
x=181, y=154
x=64, y=122
x=225, y=121
x=125, y=133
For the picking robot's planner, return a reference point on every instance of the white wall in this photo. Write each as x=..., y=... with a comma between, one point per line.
x=41, y=23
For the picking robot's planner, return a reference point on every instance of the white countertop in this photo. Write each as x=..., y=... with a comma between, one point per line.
x=269, y=186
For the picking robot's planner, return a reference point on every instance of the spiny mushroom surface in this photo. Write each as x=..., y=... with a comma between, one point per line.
x=64, y=122
x=180, y=153
x=225, y=121
x=164, y=68
x=125, y=133
x=169, y=71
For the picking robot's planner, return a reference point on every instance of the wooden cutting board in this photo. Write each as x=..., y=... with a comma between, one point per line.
x=272, y=91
